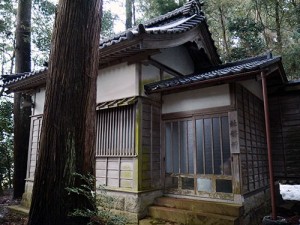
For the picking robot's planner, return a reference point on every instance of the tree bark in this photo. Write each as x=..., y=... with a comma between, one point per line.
x=21, y=115
x=222, y=19
x=129, y=13
x=278, y=26
x=68, y=130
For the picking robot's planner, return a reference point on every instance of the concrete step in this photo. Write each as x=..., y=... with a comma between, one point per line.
x=219, y=208
x=187, y=217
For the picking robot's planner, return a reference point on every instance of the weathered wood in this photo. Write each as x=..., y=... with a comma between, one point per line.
x=285, y=127
x=251, y=140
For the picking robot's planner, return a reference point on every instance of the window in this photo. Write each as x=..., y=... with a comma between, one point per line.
x=115, y=131
x=198, y=146
x=198, y=157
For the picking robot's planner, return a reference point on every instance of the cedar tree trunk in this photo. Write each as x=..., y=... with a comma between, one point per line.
x=68, y=130
x=129, y=14
x=21, y=115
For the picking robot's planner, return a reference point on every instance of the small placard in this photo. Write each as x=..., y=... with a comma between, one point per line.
x=234, y=132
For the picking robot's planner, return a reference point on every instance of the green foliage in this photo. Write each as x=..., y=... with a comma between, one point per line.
x=291, y=62
x=247, y=42
x=108, y=19
x=7, y=21
x=153, y=8
x=6, y=144
x=43, y=13
x=252, y=27
x=101, y=202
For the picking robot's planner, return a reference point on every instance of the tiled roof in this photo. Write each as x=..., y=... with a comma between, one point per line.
x=180, y=20
x=225, y=70
x=9, y=79
x=130, y=42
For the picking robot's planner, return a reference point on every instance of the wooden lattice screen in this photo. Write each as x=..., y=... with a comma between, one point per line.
x=115, y=131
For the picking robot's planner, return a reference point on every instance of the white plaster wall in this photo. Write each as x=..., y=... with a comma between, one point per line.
x=253, y=86
x=39, y=101
x=177, y=58
x=117, y=82
x=150, y=74
x=196, y=99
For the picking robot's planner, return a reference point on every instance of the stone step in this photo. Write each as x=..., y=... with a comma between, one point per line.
x=187, y=217
x=219, y=208
x=151, y=221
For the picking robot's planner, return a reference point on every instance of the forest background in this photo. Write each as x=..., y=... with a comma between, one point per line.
x=240, y=29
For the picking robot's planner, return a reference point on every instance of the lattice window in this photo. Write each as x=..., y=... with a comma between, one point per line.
x=115, y=131
x=198, y=146
x=198, y=156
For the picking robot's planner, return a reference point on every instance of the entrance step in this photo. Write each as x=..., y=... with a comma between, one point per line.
x=220, y=208
x=194, y=212
x=151, y=221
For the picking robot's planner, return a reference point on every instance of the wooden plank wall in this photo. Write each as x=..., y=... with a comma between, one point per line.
x=116, y=172
x=253, y=150
x=35, y=131
x=151, y=163
x=285, y=134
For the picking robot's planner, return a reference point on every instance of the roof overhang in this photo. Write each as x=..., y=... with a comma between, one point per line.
x=27, y=83
x=228, y=73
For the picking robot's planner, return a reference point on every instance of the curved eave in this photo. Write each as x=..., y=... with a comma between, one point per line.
x=156, y=40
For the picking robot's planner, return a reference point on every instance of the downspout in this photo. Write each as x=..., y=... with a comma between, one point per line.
x=268, y=135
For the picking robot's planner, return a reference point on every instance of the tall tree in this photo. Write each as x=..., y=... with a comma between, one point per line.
x=129, y=13
x=68, y=131
x=22, y=114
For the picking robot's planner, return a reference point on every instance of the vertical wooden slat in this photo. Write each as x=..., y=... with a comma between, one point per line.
x=179, y=146
x=130, y=131
x=151, y=144
x=111, y=137
x=126, y=131
x=212, y=145
x=171, y=147
x=203, y=147
x=186, y=147
x=221, y=145
x=115, y=132
x=133, y=131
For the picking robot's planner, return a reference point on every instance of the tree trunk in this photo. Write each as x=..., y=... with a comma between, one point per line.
x=278, y=26
x=224, y=33
x=128, y=14
x=258, y=10
x=21, y=115
x=68, y=130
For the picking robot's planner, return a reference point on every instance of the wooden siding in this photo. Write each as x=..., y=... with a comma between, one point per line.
x=150, y=154
x=285, y=135
x=115, y=172
x=35, y=131
x=253, y=150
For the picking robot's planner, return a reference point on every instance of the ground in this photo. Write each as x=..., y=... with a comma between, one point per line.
x=7, y=217
x=288, y=209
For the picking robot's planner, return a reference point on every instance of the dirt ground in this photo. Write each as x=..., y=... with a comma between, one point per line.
x=287, y=209
x=6, y=217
